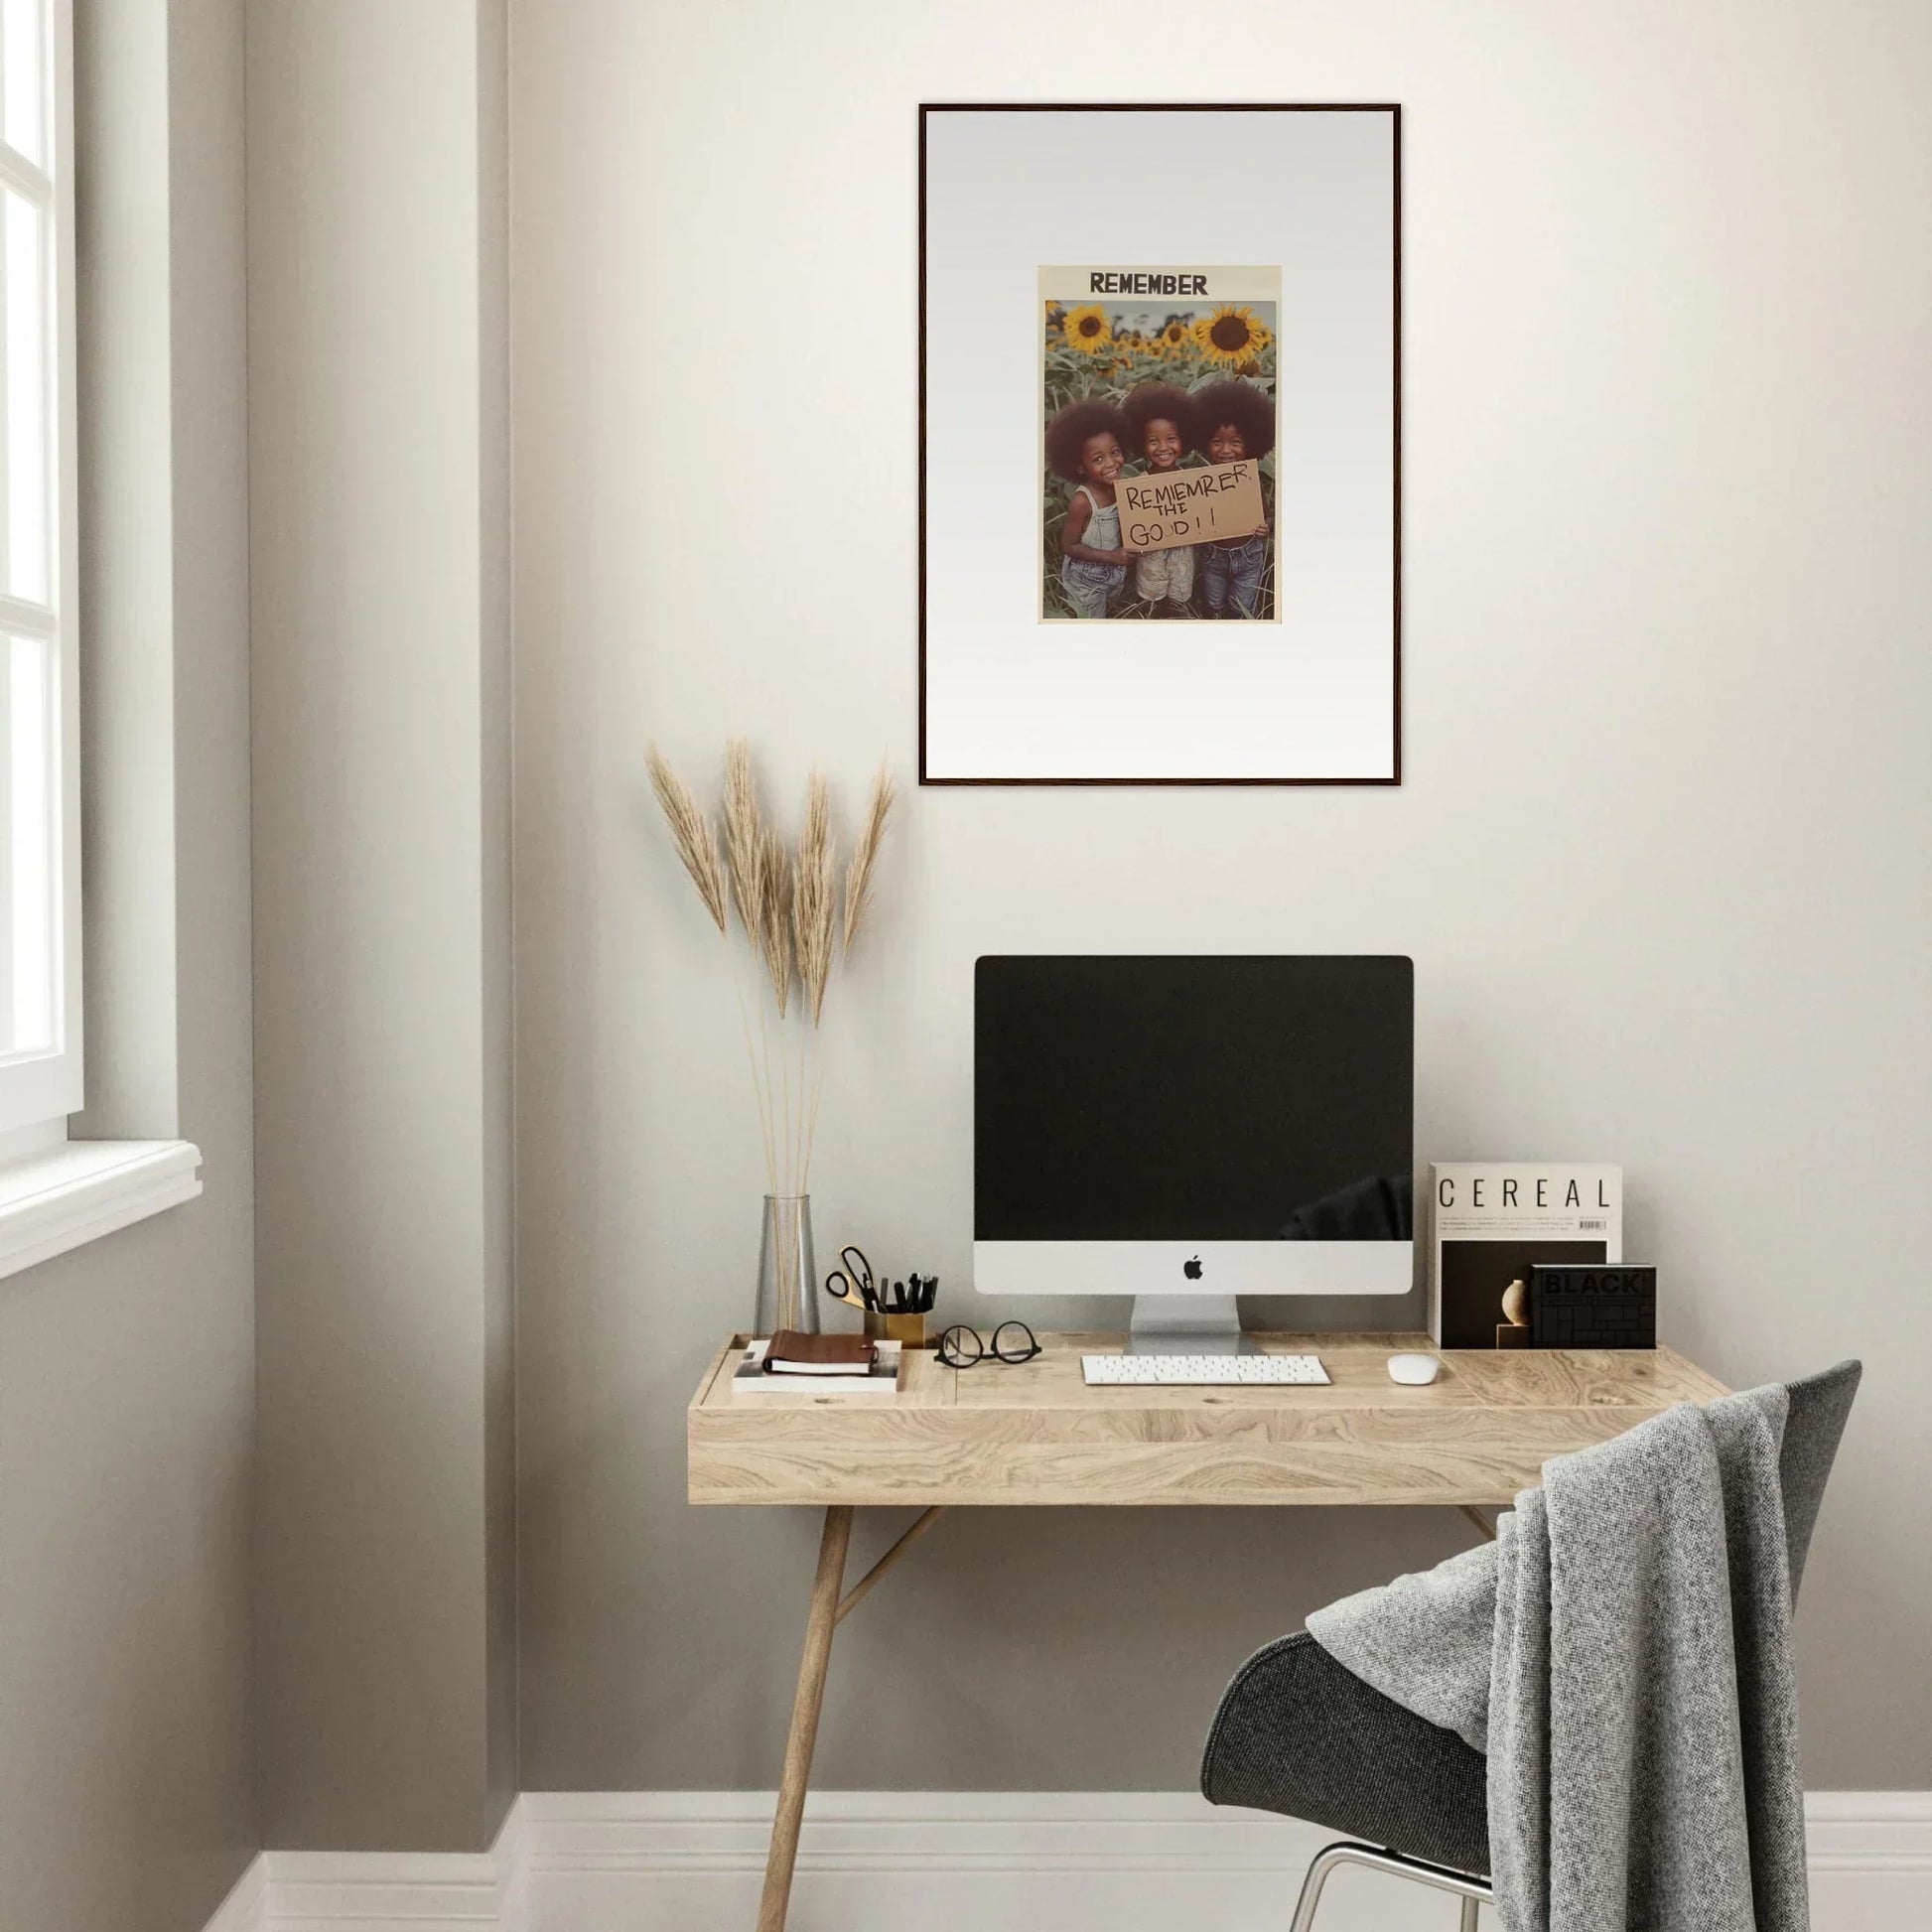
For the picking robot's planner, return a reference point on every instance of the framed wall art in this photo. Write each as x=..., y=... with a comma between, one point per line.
x=1160, y=445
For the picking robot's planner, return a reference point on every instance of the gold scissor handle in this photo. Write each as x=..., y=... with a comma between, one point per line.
x=853, y=1277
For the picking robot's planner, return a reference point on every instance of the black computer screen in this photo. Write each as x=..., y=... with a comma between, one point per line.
x=1192, y=1099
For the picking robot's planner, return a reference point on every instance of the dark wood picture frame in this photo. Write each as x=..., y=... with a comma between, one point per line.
x=1391, y=108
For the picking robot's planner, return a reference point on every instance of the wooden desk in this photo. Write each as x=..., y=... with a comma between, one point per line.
x=1033, y=1433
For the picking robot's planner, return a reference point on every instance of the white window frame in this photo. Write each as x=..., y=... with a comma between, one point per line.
x=38, y=1090
x=56, y=1192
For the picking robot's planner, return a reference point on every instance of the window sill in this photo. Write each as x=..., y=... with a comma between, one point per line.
x=75, y=1193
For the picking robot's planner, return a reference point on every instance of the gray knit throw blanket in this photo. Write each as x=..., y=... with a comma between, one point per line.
x=1622, y=1652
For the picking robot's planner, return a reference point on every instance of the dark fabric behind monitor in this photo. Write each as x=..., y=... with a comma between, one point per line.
x=1192, y=1099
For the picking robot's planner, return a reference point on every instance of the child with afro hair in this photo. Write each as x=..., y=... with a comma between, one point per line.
x=1085, y=445
x=1157, y=424
x=1232, y=422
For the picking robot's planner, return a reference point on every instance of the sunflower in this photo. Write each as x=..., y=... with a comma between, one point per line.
x=1173, y=337
x=1087, y=327
x=1228, y=335
x=1056, y=318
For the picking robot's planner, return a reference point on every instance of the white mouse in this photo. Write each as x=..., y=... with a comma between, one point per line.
x=1414, y=1369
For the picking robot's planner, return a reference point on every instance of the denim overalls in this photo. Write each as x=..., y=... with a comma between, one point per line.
x=1089, y=586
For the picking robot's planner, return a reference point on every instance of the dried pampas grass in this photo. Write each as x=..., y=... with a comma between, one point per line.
x=788, y=906
x=775, y=918
x=814, y=898
x=691, y=835
x=864, y=855
x=744, y=837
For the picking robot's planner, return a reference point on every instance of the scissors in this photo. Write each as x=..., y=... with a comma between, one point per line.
x=851, y=1282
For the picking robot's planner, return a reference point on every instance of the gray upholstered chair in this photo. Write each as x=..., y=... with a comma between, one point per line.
x=1298, y=1733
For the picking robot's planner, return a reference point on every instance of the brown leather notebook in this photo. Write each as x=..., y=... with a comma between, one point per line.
x=792, y=1354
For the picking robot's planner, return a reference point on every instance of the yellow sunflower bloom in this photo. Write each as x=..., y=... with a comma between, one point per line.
x=1087, y=327
x=1228, y=335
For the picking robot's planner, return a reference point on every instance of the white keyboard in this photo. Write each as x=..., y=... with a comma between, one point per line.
x=1201, y=1371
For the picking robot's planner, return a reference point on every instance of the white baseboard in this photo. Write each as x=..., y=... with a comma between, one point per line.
x=387, y=1892
x=954, y=1860
x=245, y=1909
x=1869, y=1855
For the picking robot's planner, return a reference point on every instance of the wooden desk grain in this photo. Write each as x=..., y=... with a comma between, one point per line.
x=1034, y=1434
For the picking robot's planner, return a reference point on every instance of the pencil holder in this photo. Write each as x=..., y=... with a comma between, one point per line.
x=908, y=1330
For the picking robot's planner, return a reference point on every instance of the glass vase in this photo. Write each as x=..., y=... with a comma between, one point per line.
x=787, y=1273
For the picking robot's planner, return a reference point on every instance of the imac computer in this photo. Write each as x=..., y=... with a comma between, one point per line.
x=1190, y=1129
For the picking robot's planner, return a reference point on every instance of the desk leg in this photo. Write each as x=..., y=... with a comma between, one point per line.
x=819, y=1622
x=1482, y=1521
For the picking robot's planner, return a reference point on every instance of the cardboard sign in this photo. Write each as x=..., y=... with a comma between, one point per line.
x=1189, y=506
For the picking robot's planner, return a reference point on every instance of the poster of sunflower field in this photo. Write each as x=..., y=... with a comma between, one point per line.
x=1158, y=491
x=1157, y=430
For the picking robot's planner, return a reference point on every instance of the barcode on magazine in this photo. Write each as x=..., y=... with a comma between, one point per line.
x=1597, y=1226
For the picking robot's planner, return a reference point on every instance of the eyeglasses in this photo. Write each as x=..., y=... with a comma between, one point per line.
x=963, y=1347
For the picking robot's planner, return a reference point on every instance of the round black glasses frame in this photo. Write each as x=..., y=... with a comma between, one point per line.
x=1007, y=1346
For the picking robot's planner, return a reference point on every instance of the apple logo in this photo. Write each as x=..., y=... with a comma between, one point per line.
x=1191, y=1269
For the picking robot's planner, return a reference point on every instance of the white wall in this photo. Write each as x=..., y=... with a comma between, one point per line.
x=1660, y=855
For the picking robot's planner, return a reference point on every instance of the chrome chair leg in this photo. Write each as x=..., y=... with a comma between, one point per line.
x=1324, y=1863
x=1470, y=1891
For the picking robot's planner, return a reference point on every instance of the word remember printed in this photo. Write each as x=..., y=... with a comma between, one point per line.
x=1181, y=507
x=1101, y=281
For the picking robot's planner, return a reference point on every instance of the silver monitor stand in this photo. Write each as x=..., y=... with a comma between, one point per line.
x=1187, y=1325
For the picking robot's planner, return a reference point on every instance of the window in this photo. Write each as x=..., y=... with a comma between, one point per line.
x=39, y=897
x=55, y=1192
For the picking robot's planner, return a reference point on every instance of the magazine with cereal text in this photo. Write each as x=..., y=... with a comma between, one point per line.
x=1492, y=1220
